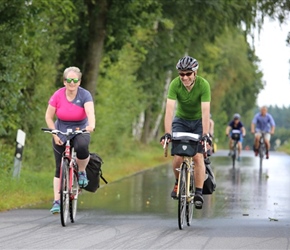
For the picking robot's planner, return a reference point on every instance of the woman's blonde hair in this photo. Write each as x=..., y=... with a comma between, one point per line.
x=74, y=69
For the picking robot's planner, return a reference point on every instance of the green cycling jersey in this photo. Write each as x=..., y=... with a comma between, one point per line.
x=189, y=102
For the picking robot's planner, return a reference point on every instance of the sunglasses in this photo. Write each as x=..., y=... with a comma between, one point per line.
x=69, y=80
x=185, y=74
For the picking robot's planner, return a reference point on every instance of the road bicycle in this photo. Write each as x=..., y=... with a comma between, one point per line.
x=184, y=144
x=69, y=188
x=235, y=136
x=262, y=148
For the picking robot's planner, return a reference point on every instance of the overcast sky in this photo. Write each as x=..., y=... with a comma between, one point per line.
x=274, y=55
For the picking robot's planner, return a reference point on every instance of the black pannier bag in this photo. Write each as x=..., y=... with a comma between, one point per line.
x=94, y=173
x=209, y=184
x=184, y=144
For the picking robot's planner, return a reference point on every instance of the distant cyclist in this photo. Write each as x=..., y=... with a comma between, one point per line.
x=262, y=122
x=236, y=128
x=192, y=95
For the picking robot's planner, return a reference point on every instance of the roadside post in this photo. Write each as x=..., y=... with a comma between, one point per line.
x=20, y=141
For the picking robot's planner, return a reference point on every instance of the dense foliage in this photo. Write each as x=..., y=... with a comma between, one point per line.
x=127, y=51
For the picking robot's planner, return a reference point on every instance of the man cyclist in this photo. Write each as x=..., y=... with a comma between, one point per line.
x=262, y=122
x=192, y=95
x=236, y=129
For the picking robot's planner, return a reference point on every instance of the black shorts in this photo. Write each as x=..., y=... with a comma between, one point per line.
x=194, y=126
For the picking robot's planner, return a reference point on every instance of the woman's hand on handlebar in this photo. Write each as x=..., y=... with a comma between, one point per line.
x=57, y=140
x=90, y=129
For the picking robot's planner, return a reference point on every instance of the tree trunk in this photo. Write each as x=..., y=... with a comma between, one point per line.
x=97, y=33
x=153, y=132
x=138, y=126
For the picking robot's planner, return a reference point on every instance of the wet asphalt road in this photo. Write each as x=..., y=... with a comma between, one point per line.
x=250, y=209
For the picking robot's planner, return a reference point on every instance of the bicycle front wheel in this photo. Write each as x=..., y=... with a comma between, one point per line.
x=182, y=196
x=73, y=201
x=189, y=202
x=234, y=155
x=262, y=150
x=64, y=192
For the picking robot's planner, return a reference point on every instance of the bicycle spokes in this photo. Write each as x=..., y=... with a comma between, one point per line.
x=182, y=197
x=64, y=193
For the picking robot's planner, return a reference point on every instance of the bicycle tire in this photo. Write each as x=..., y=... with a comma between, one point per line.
x=234, y=154
x=64, y=192
x=189, y=203
x=73, y=201
x=182, y=196
x=262, y=150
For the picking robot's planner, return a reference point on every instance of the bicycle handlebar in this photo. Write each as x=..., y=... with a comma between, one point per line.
x=67, y=133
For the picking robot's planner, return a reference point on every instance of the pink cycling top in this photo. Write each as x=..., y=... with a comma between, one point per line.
x=70, y=114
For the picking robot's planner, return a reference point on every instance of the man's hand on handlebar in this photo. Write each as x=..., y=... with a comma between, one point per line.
x=166, y=137
x=206, y=138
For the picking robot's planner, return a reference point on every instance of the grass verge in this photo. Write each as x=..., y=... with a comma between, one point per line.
x=35, y=187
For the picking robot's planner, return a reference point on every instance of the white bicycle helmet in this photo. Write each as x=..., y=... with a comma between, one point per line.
x=187, y=63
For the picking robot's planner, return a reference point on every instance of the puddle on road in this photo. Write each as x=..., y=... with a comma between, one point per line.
x=243, y=191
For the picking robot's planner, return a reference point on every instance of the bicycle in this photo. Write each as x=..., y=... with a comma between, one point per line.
x=262, y=148
x=69, y=188
x=184, y=144
x=235, y=136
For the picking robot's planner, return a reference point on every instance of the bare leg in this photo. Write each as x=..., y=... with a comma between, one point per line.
x=199, y=170
x=83, y=164
x=177, y=160
x=267, y=143
x=257, y=139
x=239, y=148
x=56, y=188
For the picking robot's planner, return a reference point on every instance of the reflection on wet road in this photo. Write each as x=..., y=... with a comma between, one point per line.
x=247, y=190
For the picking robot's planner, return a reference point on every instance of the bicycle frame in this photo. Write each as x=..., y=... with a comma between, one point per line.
x=70, y=155
x=189, y=168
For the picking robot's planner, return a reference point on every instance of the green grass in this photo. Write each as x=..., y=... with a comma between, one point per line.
x=285, y=149
x=36, y=186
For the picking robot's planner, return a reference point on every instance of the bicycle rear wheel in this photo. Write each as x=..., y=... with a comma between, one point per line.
x=189, y=202
x=73, y=201
x=64, y=192
x=182, y=196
